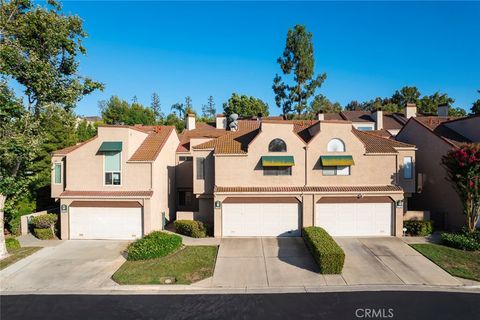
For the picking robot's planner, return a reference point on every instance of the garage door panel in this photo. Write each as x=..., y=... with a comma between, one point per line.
x=355, y=219
x=105, y=223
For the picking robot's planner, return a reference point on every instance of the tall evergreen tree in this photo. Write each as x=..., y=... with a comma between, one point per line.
x=188, y=105
x=475, y=109
x=208, y=110
x=156, y=107
x=297, y=60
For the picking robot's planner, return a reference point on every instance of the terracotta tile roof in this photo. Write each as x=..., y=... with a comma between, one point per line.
x=388, y=188
x=67, y=150
x=153, y=144
x=357, y=116
x=105, y=194
x=202, y=130
x=376, y=144
x=436, y=125
x=381, y=133
x=333, y=116
x=390, y=122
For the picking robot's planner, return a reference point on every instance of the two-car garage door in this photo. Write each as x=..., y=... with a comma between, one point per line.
x=261, y=217
x=120, y=220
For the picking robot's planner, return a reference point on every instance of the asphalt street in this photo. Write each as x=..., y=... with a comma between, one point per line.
x=338, y=305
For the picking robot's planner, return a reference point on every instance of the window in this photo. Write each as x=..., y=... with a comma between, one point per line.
x=200, y=168
x=364, y=128
x=336, y=145
x=181, y=159
x=58, y=173
x=112, y=168
x=277, y=171
x=336, y=171
x=277, y=145
x=407, y=168
x=184, y=198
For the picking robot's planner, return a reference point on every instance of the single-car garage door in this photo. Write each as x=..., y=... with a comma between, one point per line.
x=368, y=216
x=260, y=217
x=115, y=220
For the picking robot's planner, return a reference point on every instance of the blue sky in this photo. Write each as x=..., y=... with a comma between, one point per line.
x=201, y=49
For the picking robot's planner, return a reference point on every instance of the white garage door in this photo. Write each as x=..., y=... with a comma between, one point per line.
x=355, y=219
x=261, y=219
x=105, y=223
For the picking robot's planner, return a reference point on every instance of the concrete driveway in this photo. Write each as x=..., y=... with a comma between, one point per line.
x=265, y=262
x=379, y=260
x=70, y=265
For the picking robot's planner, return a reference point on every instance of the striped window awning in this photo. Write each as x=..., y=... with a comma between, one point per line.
x=333, y=161
x=111, y=146
x=278, y=161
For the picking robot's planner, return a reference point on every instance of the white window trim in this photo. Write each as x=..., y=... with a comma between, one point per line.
x=341, y=141
x=55, y=174
x=104, y=172
x=336, y=172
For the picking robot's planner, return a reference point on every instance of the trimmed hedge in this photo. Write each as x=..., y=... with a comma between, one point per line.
x=43, y=233
x=325, y=251
x=12, y=244
x=44, y=221
x=155, y=245
x=418, y=227
x=461, y=241
x=191, y=228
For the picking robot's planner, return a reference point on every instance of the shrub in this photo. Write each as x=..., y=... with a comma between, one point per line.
x=191, y=228
x=12, y=244
x=44, y=221
x=325, y=251
x=155, y=245
x=460, y=241
x=43, y=233
x=418, y=227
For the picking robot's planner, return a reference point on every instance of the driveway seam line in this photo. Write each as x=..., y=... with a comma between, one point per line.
x=265, y=263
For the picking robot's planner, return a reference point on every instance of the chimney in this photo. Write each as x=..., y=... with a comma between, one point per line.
x=410, y=110
x=320, y=115
x=190, y=121
x=221, y=121
x=378, y=117
x=442, y=110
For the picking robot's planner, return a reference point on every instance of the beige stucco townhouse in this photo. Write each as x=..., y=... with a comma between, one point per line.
x=434, y=136
x=273, y=177
x=118, y=185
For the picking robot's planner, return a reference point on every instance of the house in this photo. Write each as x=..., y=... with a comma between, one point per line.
x=434, y=136
x=273, y=177
x=117, y=185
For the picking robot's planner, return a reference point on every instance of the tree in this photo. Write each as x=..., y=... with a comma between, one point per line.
x=463, y=169
x=39, y=48
x=85, y=130
x=354, y=105
x=429, y=104
x=173, y=120
x=156, y=107
x=180, y=108
x=208, y=110
x=188, y=105
x=245, y=106
x=118, y=111
x=297, y=59
x=321, y=103
x=405, y=95
x=475, y=109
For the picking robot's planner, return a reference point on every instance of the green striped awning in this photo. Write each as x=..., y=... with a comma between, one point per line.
x=111, y=146
x=332, y=161
x=278, y=161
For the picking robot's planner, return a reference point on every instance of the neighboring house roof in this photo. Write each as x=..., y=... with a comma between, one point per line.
x=381, y=133
x=377, y=144
x=106, y=194
x=357, y=116
x=391, y=121
x=202, y=130
x=254, y=189
x=436, y=126
x=153, y=144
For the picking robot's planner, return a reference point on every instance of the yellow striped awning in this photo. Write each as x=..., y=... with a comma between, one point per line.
x=333, y=161
x=278, y=161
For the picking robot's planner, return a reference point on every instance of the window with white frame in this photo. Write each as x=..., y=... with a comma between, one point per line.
x=336, y=145
x=336, y=171
x=112, y=168
x=200, y=168
x=407, y=168
x=58, y=173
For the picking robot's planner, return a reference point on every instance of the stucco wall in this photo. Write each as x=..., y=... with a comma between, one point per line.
x=469, y=128
x=437, y=195
x=204, y=186
x=57, y=189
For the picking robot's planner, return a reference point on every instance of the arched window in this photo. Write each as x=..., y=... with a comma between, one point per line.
x=277, y=145
x=336, y=145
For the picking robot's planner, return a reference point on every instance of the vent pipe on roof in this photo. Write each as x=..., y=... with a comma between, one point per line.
x=191, y=121
x=320, y=115
x=378, y=117
x=442, y=110
x=220, y=121
x=410, y=110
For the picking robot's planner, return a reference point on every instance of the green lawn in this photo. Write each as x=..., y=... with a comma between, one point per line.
x=464, y=264
x=187, y=265
x=17, y=254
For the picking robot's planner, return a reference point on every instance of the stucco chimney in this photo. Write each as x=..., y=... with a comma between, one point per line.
x=191, y=121
x=410, y=110
x=220, y=121
x=320, y=116
x=442, y=110
x=378, y=117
